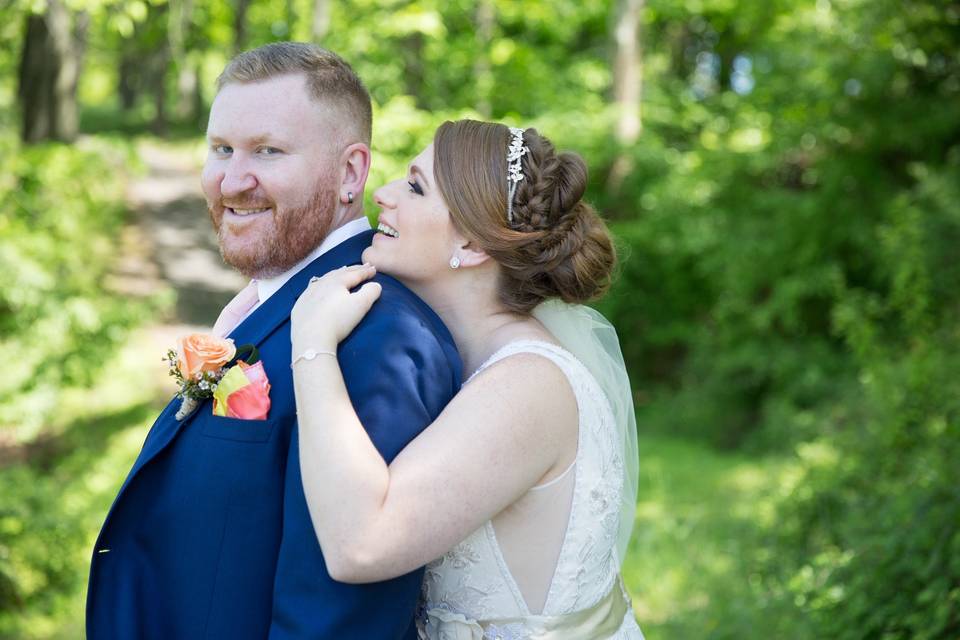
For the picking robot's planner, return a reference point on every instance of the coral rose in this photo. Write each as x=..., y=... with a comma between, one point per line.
x=199, y=352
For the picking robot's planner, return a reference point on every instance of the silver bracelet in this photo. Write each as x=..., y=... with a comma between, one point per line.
x=311, y=354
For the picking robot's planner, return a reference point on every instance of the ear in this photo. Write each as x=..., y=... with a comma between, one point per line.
x=354, y=169
x=470, y=254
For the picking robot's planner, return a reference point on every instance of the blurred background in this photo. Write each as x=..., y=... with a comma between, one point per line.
x=783, y=178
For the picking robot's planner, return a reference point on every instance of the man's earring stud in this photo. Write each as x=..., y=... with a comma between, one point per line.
x=349, y=197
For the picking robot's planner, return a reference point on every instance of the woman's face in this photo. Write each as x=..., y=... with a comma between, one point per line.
x=415, y=238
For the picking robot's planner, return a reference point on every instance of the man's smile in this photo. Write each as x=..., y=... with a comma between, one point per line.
x=236, y=215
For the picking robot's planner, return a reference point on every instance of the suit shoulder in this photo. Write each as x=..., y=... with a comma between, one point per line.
x=400, y=319
x=396, y=295
x=399, y=309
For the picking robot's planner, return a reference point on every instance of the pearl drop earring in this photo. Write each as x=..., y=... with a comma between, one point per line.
x=454, y=262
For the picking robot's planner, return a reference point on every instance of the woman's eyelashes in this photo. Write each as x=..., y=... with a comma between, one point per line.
x=415, y=187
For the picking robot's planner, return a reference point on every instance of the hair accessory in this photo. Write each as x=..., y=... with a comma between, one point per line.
x=349, y=197
x=514, y=167
x=454, y=262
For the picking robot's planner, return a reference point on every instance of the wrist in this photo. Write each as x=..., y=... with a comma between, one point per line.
x=310, y=354
x=318, y=341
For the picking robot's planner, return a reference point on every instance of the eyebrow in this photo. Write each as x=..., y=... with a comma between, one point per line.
x=415, y=169
x=254, y=141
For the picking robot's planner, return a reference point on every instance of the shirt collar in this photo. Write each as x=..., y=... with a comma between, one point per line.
x=269, y=286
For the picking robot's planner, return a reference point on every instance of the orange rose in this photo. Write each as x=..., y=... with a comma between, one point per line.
x=201, y=352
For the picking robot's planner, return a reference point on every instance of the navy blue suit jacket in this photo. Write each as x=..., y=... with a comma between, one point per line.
x=210, y=536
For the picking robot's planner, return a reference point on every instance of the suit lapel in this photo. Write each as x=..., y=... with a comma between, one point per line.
x=256, y=328
x=275, y=311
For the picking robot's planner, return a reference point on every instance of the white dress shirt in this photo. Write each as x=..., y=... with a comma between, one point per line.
x=269, y=286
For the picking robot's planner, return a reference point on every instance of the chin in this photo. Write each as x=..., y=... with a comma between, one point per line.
x=372, y=256
x=251, y=261
x=369, y=255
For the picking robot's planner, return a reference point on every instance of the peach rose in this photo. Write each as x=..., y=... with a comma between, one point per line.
x=199, y=352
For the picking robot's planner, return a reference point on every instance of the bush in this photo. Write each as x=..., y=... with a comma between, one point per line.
x=61, y=212
x=874, y=525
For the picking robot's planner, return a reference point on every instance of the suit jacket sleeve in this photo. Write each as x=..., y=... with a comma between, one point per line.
x=399, y=379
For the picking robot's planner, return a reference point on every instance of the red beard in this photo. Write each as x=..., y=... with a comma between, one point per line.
x=293, y=234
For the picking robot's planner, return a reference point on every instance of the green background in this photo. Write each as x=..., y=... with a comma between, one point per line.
x=788, y=292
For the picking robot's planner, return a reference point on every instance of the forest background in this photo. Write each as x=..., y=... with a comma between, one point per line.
x=783, y=179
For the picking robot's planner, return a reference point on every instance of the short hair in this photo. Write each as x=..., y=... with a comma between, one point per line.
x=330, y=80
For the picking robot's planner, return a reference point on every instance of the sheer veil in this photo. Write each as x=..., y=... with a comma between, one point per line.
x=592, y=339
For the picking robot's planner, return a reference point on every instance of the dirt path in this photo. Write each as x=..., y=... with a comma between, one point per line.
x=172, y=214
x=171, y=246
x=167, y=248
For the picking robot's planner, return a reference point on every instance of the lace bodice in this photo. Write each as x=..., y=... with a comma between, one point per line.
x=470, y=592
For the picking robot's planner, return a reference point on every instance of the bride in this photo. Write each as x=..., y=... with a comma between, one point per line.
x=520, y=497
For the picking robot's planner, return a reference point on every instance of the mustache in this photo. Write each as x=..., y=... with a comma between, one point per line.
x=245, y=203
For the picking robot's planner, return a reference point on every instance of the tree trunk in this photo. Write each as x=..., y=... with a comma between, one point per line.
x=178, y=32
x=413, y=67
x=240, y=25
x=153, y=43
x=127, y=76
x=321, y=20
x=188, y=85
x=290, y=10
x=482, y=72
x=160, y=120
x=50, y=66
x=627, y=85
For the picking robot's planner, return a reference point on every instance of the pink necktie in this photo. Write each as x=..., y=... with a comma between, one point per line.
x=236, y=310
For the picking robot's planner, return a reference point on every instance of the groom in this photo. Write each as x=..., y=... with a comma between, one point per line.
x=210, y=536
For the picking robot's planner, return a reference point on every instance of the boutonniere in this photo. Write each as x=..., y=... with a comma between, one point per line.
x=206, y=366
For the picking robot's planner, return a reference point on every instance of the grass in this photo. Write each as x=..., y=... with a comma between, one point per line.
x=54, y=501
x=699, y=564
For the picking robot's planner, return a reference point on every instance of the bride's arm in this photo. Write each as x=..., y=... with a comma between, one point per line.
x=498, y=437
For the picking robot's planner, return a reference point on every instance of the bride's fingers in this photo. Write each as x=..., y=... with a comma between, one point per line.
x=352, y=276
x=347, y=273
x=367, y=295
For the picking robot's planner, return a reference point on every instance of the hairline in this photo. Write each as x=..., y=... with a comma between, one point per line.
x=328, y=106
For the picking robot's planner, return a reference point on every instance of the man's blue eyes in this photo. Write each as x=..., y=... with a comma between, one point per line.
x=415, y=187
x=224, y=149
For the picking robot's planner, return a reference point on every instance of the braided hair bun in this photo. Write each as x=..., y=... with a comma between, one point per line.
x=555, y=245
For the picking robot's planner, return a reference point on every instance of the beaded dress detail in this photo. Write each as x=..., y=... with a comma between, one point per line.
x=473, y=592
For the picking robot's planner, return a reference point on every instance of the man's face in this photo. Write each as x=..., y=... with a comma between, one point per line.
x=271, y=174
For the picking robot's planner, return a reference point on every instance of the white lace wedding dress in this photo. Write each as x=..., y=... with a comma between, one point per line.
x=547, y=566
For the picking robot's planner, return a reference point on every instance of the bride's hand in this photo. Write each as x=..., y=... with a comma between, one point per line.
x=327, y=311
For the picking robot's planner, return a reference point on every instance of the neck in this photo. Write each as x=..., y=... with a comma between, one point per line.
x=346, y=213
x=478, y=322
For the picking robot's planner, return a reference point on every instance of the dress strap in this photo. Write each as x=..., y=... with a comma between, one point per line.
x=558, y=355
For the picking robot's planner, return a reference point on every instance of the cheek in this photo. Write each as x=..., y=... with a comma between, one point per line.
x=210, y=180
x=287, y=194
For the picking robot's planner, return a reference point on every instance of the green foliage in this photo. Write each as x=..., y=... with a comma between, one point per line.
x=60, y=219
x=699, y=556
x=787, y=225
x=59, y=222
x=874, y=532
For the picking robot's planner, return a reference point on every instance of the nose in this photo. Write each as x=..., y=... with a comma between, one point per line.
x=237, y=178
x=383, y=196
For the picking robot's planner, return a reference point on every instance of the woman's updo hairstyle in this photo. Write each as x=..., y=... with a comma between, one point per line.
x=556, y=246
